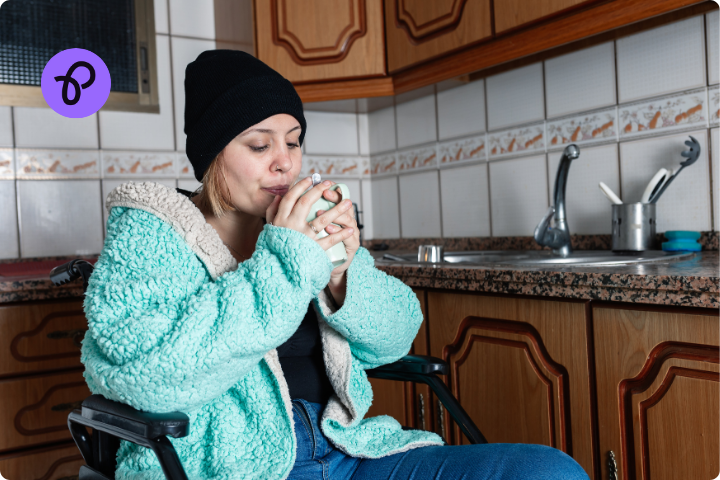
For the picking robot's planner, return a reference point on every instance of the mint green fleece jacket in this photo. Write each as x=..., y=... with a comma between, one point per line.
x=175, y=324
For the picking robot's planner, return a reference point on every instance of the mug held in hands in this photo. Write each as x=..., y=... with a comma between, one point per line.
x=336, y=253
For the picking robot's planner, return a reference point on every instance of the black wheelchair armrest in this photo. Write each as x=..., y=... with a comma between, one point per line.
x=113, y=421
x=125, y=417
x=422, y=364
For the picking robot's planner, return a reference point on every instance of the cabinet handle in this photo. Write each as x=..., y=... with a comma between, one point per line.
x=421, y=411
x=62, y=407
x=76, y=335
x=612, y=466
x=441, y=420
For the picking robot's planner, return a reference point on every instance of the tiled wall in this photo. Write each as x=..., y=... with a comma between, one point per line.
x=477, y=159
x=480, y=159
x=55, y=172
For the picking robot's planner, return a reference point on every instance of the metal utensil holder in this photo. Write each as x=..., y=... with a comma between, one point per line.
x=633, y=227
x=431, y=253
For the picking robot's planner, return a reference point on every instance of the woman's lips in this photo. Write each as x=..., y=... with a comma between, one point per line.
x=278, y=190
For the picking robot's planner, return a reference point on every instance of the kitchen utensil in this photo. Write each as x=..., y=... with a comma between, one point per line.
x=610, y=194
x=692, y=155
x=633, y=227
x=657, y=181
x=431, y=253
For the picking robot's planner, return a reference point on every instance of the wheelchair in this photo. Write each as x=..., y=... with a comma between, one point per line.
x=113, y=421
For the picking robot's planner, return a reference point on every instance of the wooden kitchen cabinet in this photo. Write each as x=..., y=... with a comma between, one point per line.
x=510, y=14
x=519, y=366
x=59, y=462
x=315, y=40
x=658, y=391
x=418, y=30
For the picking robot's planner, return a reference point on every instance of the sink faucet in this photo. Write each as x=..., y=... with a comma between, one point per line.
x=557, y=236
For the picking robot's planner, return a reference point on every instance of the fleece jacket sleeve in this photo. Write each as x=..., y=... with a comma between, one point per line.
x=163, y=336
x=380, y=316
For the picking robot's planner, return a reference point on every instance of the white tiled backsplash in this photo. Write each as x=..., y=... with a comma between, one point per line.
x=477, y=159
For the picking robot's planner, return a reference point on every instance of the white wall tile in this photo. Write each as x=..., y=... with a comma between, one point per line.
x=43, y=128
x=366, y=217
x=461, y=110
x=330, y=133
x=662, y=60
x=188, y=184
x=61, y=217
x=588, y=210
x=354, y=187
x=6, y=135
x=364, y=133
x=144, y=131
x=712, y=25
x=518, y=195
x=110, y=184
x=184, y=51
x=420, y=205
x=161, y=16
x=579, y=81
x=465, y=207
x=385, y=208
x=685, y=205
x=382, y=130
x=715, y=136
x=416, y=122
x=515, y=97
x=192, y=18
x=8, y=220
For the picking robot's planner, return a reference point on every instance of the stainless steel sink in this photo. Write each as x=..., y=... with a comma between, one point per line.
x=545, y=257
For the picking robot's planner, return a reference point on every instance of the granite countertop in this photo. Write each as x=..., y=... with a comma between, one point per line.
x=692, y=282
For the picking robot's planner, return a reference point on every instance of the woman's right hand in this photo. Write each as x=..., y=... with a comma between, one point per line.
x=291, y=211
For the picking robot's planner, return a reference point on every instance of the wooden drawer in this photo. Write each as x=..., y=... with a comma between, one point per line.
x=35, y=409
x=52, y=463
x=41, y=336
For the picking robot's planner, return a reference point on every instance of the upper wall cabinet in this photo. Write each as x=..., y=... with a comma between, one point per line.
x=314, y=40
x=510, y=14
x=418, y=30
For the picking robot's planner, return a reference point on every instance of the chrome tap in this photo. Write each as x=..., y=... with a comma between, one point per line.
x=557, y=236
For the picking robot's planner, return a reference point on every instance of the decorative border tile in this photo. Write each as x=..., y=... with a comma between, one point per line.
x=383, y=164
x=471, y=149
x=527, y=139
x=184, y=167
x=7, y=168
x=714, y=105
x=333, y=166
x=145, y=164
x=423, y=158
x=53, y=164
x=593, y=127
x=671, y=112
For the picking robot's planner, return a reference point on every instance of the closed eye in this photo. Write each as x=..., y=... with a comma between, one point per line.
x=258, y=149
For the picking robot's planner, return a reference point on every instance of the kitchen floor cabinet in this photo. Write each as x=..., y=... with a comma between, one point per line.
x=658, y=391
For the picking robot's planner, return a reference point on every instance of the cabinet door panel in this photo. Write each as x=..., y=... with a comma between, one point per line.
x=40, y=336
x=658, y=391
x=418, y=30
x=510, y=14
x=35, y=409
x=520, y=367
x=55, y=463
x=308, y=40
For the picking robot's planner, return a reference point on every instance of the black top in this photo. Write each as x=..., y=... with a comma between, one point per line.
x=301, y=358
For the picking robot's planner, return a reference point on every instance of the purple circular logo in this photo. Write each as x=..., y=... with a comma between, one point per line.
x=75, y=83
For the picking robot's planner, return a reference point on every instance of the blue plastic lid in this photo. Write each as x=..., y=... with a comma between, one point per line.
x=681, y=246
x=682, y=235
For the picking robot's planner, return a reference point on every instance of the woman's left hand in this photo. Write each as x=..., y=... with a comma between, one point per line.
x=347, y=220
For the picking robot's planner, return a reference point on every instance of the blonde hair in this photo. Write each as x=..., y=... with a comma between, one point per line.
x=215, y=193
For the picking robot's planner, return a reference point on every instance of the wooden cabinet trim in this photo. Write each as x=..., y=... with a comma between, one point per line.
x=303, y=55
x=545, y=18
x=431, y=29
x=41, y=403
x=36, y=358
x=527, y=330
x=643, y=380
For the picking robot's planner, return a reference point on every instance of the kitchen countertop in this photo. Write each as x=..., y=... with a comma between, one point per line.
x=689, y=283
x=693, y=282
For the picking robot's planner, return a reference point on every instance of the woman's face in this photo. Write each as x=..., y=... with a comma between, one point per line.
x=262, y=162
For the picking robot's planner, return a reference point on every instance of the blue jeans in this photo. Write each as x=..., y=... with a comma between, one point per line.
x=318, y=459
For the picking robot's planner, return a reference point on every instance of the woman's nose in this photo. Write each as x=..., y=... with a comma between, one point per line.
x=282, y=161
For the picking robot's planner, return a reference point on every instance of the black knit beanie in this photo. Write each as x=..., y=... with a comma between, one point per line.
x=227, y=92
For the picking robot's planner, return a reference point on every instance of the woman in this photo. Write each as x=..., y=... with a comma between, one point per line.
x=223, y=305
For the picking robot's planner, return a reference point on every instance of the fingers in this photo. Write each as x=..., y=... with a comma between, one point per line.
x=324, y=219
x=332, y=195
x=300, y=208
x=272, y=210
x=331, y=240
